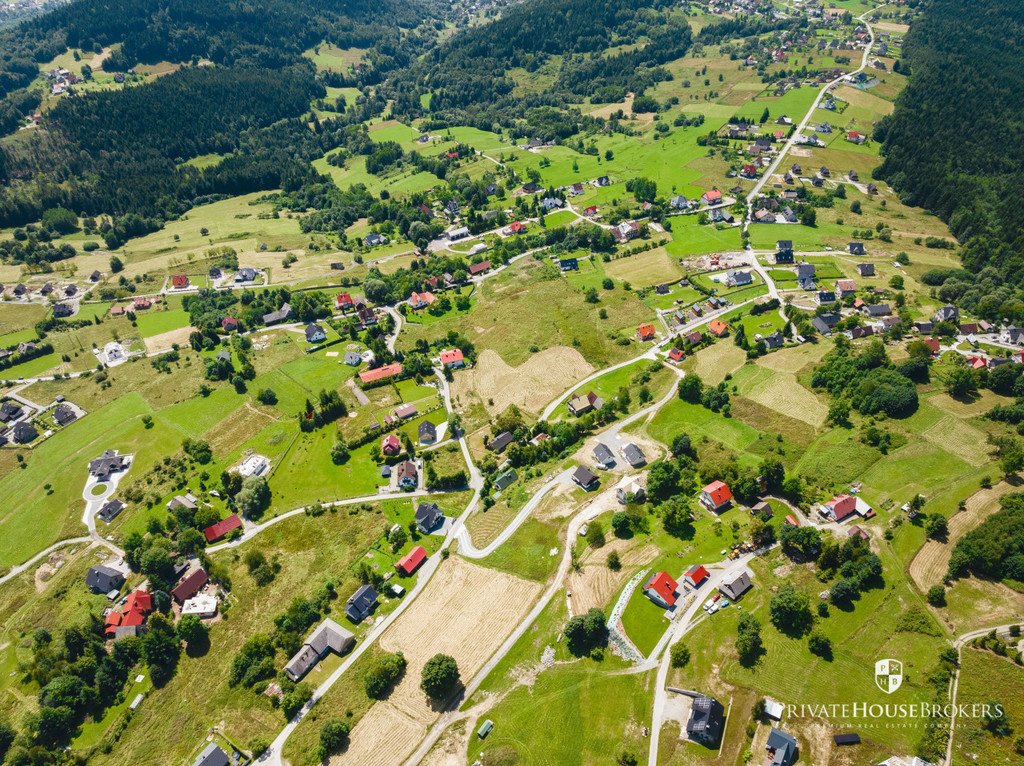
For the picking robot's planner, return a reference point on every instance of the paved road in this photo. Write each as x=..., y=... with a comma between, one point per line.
x=683, y=624
x=770, y=171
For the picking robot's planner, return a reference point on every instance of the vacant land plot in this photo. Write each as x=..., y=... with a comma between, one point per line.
x=781, y=392
x=930, y=564
x=465, y=612
x=645, y=269
x=714, y=363
x=594, y=584
x=986, y=677
x=530, y=386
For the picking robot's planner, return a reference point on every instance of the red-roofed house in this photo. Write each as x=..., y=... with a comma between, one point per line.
x=695, y=575
x=421, y=300
x=645, y=332
x=977, y=362
x=229, y=323
x=716, y=496
x=839, y=507
x=179, y=281
x=932, y=344
x=391, y=445
x=344, y=302
x=749, y=171
x=379, y=373
x=591, y=211
x=661, y=589
x=856, y=138
x=718, y=328
x=479, y=268
x=711, y=197
x=453, y=358
x=676, y=355
x=411, y=561
x=517, y=227
x=216, y=531
x=111, y=622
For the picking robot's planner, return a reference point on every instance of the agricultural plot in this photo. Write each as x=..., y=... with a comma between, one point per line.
x=466, y=612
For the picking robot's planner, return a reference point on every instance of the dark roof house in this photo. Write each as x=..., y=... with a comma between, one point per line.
x=427, y=517
x=361, y=603
x=103, y=579
x=706, y=718
x=329, y=636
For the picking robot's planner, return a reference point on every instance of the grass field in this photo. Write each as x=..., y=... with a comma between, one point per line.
x=531, y=306
x=572, y=714
x=984, y=678
x=644, y=621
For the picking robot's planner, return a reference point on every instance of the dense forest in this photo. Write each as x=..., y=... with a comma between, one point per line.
x=468, y=77
x=955, y=143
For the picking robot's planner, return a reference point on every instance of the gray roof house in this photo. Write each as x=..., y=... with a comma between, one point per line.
x=315, y=333
x=500, y=442
x=246, y=274
x=585, y=478
x=877, y=310
x=24, y=432
x=211, y=756
x=737, y=586
x=948, y=313
x=427, y=517
x=706, y=718
x=775, y=340
x=361, y=603
x=107, y=463
x=103, y=579
x=277, y=316
x=866, y=269
x=551, y=203
x=781, y=748
x=805, y=271
x=329, y=636
x=64, y=414
x=603, y=456
x=353, y=359
x=110, y=510
x=427, y=432
x=634, y=455
x=856, y=248
x=9, y=410
x=372, y=240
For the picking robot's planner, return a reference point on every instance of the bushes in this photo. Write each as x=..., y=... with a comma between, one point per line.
x=994, y=549
x=790, y=611
x=295, y=699
x=440, y=677
x=679, y=656
x=383, y=675
x=749, y=645
x=586, y=632
x=333, y=737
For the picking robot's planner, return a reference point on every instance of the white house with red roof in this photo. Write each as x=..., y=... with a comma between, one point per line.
x=661, y=589
x=839, y=508
x=695, y=575
x=421, y=300
x=453, y=358
x=855, y=137
x=716, y=496
x=344, y=302
x=711, y=197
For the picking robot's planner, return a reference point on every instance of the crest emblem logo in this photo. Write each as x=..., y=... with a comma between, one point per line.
x=888, y=675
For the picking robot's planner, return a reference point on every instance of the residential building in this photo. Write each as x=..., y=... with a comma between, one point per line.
x=661, y=588
x=390, y=445
x=190, y=585
x=327, y=637
x=738, y=278
x=361, y=603
x=427, y=432
x=603, y=456
x=736, y=586
x=631, y=492
x=839, y=508
x=104, y=579
x=634, y=455
x=211, y=755
x=108, y=463
x=866, y=269
x=500, y=442
x=380, y=373
x=411, y=561
x=696, y=575
x=110, y=510
x=275, y=317
x=705, y=723
x=215, y=532
x=315, y=333
x=716, y=496
x=428, y=516
x=781, y=748
x=585, y=478
x=453, y=358
x=856, y=248
x=580, y=405
x=407, y=475
x=645, y=332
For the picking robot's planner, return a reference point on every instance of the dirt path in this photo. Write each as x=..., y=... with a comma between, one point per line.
x=931, y=562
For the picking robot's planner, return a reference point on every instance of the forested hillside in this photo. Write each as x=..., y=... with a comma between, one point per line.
x=468, y=77
x=955, y=143
x=269, y=34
